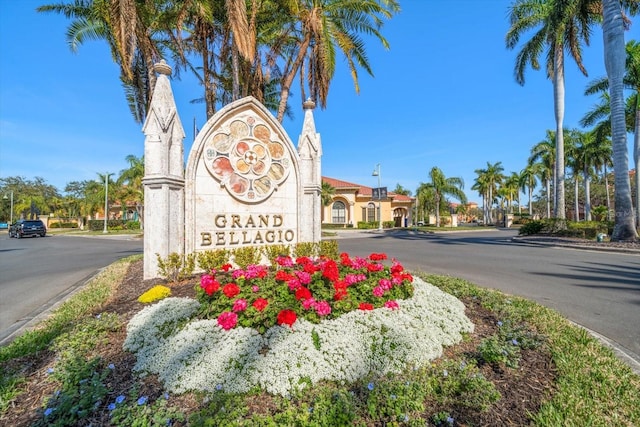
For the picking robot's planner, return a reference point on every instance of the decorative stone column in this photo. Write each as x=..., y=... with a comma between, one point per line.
x=163, y=176
x=310, y=151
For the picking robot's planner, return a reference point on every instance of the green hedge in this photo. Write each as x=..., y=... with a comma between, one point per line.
x=63, y=225
x=564, y=228
x=113, y=224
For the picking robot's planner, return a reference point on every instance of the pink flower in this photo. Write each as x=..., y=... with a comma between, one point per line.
x=294, y=284
x=240, y=305
x=308, y=303
x=391, y=304
x=255, y=288
x=284, y=261
x=227, y=320
x=378, y=291
x=209, y=284
x=323, y=308
x=385, y=284
x=236, y=274
x=304, y=277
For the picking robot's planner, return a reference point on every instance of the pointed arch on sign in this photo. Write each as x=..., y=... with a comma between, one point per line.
x=242, y=181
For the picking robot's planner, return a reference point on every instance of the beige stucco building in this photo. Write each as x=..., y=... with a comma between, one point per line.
x=352, y=203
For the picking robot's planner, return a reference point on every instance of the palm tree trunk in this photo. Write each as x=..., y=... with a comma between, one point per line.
x=576, y=207
x=614, y=53
x=606, y=186
x=558, y=101
x=530, y=204
x=636, y=158
x=587, y=195
x=548, y=198
x=287, y=79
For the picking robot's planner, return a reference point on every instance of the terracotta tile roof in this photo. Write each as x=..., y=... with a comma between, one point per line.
x=362, y=190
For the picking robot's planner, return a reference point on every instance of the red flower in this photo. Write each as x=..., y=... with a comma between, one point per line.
x=330, y=271
x=209, y=284
x=303, y=293
x=396, y=268
x=365, y=306
x=283, y=276
x=340, y=294
x=260, y=304
x=303, y=260
x=378, y=257
x=226, y=267
x=287, y=317
x=340, y=284
x=231, y=290
x=310, y=268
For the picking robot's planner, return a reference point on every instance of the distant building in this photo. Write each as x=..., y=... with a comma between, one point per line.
x=352, y=203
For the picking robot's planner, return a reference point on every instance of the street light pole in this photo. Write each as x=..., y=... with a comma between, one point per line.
x=106, y=201
x=376, y=172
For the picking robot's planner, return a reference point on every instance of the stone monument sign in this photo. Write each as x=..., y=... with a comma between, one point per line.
x=245, y=183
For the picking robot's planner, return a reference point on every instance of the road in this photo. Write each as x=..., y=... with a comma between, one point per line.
x=597, y=290
x=36, y=273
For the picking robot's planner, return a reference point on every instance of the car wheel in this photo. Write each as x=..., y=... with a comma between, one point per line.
x=43, y=234
x=18, y=235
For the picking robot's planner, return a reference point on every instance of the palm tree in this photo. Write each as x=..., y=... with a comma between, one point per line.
x=560, y=25
x=321, y=27
x=482, y=187
x=544, y=154
x=492, y=177
x=512, y=188
x=127, y=27
x=599, y=116
x=130, y=181
x=528, y=180
x=401, y=190
x=441, y=186
x=614, y=48
x=327, y=193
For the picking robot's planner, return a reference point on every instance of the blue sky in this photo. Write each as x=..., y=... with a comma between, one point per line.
x=444, y=95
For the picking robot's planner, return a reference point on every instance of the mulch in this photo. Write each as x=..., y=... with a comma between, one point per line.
x=522, y=389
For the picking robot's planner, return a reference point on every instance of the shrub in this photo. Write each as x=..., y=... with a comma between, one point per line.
x=329, y=249
x=531, y=227
x=113, y=224
x=211, y=260
x=247, y=255
x=176, y=267
x=274, y=251
x=154, y=294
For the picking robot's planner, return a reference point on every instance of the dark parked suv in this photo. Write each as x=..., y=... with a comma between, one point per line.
x=27, y=228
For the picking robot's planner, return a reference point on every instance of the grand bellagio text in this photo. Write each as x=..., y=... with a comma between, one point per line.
x=234, y=229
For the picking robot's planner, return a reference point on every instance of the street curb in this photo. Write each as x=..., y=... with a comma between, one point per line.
x=576, y=246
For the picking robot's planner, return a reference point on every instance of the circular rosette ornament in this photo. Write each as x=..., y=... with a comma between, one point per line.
x=249, y=166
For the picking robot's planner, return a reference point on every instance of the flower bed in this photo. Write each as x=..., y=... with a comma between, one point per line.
x=335, y=333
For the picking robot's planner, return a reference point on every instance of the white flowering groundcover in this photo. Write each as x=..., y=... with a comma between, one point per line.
x=189, y=354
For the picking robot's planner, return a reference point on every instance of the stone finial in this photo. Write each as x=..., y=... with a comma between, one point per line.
x=162, y=68
x=308, y=104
